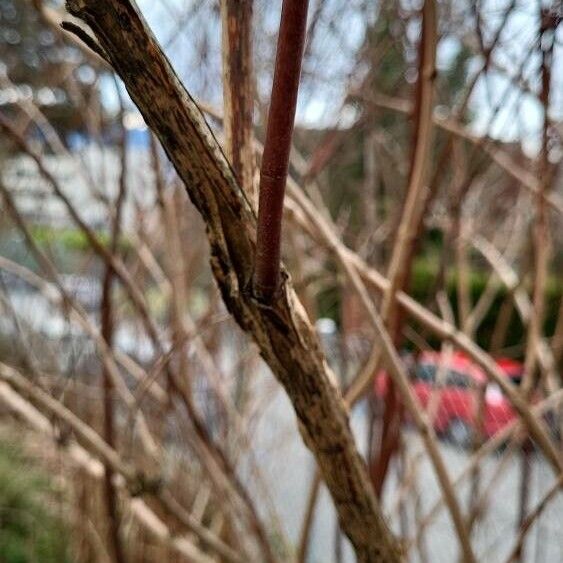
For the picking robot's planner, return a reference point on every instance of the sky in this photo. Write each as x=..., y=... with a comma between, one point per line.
x=320, y=100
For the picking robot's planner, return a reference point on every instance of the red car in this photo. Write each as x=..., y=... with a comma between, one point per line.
x=461, y=390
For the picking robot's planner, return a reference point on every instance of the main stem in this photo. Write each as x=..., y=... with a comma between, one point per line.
x=277, y=145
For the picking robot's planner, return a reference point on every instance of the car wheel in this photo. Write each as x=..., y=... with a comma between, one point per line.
x=460, y=433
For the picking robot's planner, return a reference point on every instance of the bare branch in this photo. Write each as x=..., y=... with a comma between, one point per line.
x=282, y=331
x=275, y=160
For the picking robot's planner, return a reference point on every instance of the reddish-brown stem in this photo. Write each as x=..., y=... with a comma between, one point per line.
x=107, y=329
x=275, y=160
x=411, y=221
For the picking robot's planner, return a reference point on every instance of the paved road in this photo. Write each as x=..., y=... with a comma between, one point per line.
x=288, y=468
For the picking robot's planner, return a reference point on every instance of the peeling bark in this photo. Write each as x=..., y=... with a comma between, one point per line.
x=282, y=330
x=238, y=92
x=410, y=224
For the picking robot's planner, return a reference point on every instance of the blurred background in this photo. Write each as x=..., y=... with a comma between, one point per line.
x=105, y=287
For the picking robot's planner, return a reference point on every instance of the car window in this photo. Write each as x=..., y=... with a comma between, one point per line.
x=458, y=379
x=516, y=379
x=425, y=372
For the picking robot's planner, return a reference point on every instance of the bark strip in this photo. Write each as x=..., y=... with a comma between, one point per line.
x=238, y=91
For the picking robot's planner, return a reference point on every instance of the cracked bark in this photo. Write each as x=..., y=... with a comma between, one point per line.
x=282, y=330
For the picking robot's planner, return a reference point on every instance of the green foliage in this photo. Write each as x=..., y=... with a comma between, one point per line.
x=423, y=287
x=29, y=531
x=72, y=239
x=388, y=75
x=67, y=246
x=454, y=79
